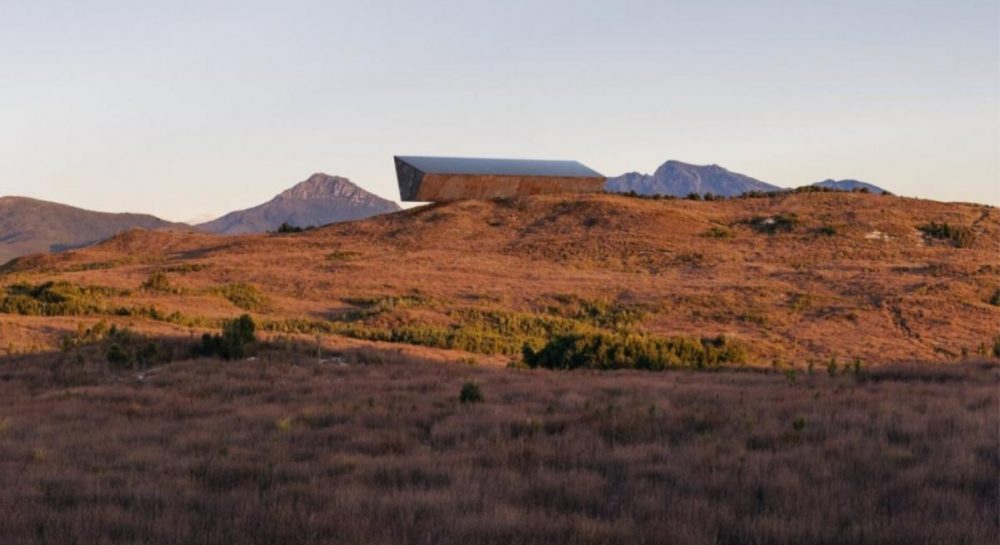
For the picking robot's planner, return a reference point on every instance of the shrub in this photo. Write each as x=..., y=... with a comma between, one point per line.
x=125, y=350
x=826, y=230
x=470, y=393
x=995, y=299
x=780, y=223
x=234, y=342
x=54, y=299
x=960, y=237
x=157, y=281
x=244, y=296
x=118, y=357
x=632, y=351
x=996, y=346
x=289, y=228
x=718, y=232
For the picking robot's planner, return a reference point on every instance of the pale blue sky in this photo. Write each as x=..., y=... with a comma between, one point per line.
x=188, y=108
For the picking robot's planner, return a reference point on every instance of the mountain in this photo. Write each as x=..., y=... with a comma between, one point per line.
x=31, y=226
x=680, y=179
x=850, y=185
x=319, y=200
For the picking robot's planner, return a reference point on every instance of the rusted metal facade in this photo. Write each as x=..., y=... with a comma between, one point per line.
x=435, y=179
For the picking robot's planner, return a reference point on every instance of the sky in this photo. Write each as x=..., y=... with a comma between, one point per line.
x=189, y=109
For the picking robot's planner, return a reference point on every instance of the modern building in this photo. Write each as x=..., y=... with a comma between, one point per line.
x=432, y=179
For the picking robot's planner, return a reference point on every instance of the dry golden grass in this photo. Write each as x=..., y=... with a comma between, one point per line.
x=855, y=277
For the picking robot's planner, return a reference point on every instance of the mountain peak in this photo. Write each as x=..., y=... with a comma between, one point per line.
x=679, y=179
x=318, y=200
x=321, y=186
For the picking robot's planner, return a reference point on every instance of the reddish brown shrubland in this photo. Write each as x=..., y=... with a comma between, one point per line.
x=285, y=450
x=488, y=276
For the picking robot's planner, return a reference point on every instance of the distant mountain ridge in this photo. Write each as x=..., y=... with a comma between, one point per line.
x=680, y=179
x=29, y=226
x=319, y=200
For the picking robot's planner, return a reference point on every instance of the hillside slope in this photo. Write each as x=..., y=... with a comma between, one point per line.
x=31, y=226
x=796, y=277
x=319, y=200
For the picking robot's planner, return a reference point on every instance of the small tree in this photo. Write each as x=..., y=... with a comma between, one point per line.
x=288, y=228
x=234, y=341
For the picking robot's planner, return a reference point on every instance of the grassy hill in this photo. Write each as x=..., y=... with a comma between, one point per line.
x=794, y=278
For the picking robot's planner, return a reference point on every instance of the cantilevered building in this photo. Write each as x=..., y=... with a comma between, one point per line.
x=426, y=179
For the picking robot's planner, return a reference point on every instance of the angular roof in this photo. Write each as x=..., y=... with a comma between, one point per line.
x=499, y=167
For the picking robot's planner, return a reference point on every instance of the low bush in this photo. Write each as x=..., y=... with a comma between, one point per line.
x=596, y=313
x=245, y=296
x=470, y=393
x=717, y=231
x=126, y=350
x=157, y=281
x=55, y=299
x=633, y=351
x=234, y=342
x=780, y=223
x=960, y=237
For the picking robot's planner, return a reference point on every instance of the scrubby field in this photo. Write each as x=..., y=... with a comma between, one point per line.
x=789, y=278
x=379, y=449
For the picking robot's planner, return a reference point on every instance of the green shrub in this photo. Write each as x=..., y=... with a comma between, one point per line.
x=184, y=268
x=996, y=346
x=118, y=357
x=826, y=230
x=288, y=228
x=125, y=350
x=470, y=393
x=718, y=231
x=633, y=351
x=157, y=281
x=55, y=299
x=234, y=342
x=386, y=303
x=995, y=299
x=780, y=223
x=960, y=237
x=245, y=296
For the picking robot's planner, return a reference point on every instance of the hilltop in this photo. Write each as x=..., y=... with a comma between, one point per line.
x=319, y=200
x=31, y=226
x=795, y=277
x=850, y=185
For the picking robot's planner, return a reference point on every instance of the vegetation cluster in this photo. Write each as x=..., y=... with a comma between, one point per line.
x=633, y=351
